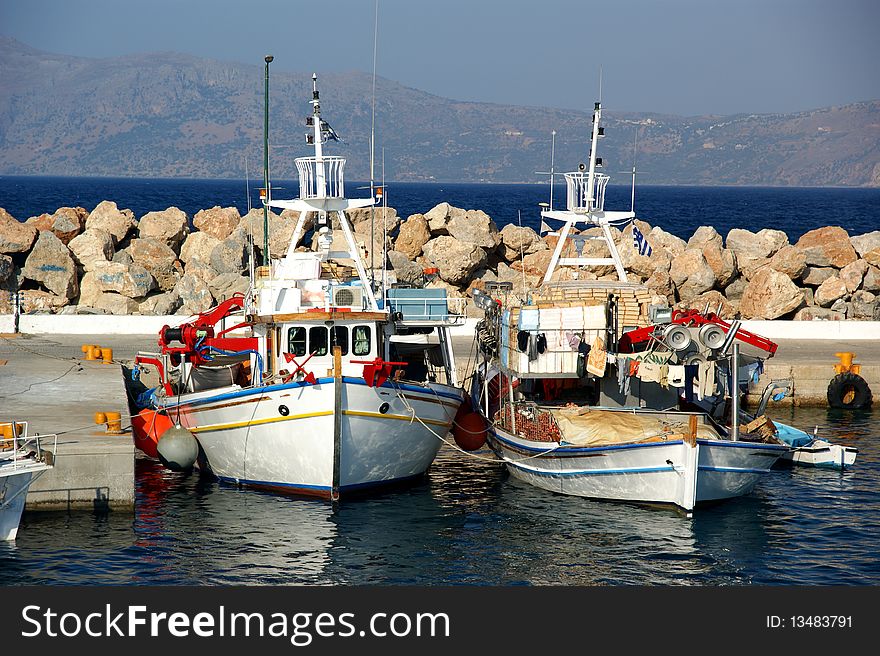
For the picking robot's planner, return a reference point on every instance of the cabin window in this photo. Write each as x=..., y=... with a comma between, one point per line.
x=360, y=337
x=318, y=340
x=340, y=338
x=296, y=341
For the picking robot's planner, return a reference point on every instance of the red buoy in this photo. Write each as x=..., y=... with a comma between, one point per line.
x=469, y=431
x=147, y=427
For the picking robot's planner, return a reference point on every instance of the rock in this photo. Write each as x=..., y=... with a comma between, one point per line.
x=381, y=244
x=227, y=285
x=198, y=247
x=456, y=260
x=413, y=235
x=405, y=270
x=813, y=313
x=475, y=227
x=309, y=223
x=35, y=301
x=865, y=243
x=68, y=222
x=374, y=216
x=853, y=273
x=170, y=226
x=840, y=306
x=815, y=276
x=703, y=236
x=133, y=281
x=123, y=257
x=776, y=238
x=218, y=221
x=827, y=247
x=159, y=259
x=51, y=264
x=194, y=294
x=230, y=255
x=673, y=245
x=160, y=304
x=722, y=261
x=790, y=261
x=862, y=305
x=522, y=284
x=769, y=295
x=829, y=291
x=7, y=268
x=748, y=245
x=872, y=257
x=92, y=248
x=716, y=302
x=870, y=283
x=641, y=265
x=437, y=217
x=252, y=225
x=109, y=218
x=114, y=303
x=735, y=289
x=517, y=242
x=536, y=264
x=42, y=223
x=661, y=284
x=691, y=274
x=15, y=237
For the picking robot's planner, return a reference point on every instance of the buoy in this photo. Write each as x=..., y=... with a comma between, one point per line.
x=147, y=427
x=469, y=431
x=177, y=448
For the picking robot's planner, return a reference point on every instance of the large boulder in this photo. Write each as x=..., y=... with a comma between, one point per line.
x=872, y=257
x=519, y=241
x=536, y=264
x=194, y=294
x=51, y=264
x=170, y=226
x=714, y=300
x=230, y=255
x=829, y=291
x=109, y=218
x=752, y=250
x=92, y=248
x=691, y=274
x=158, y=258
x=160, y=304
x=198, y=248
x=405, y=270
x=114, y=303
x=827, y=247
x=703, y=236
x=438, y=216
x=414, y=233
x=722, y=261
x=814, y=313
x=776, y=238
x=456, y=260
x=36, y=301
x=7, y=268
x=672, y=244
x=735, y=289
x=68, y=222
x=475, y=227
x=815, y=276
x=642, y=265
x=15, y=237
x=790, y=261
x=661, y=284
x=217, y=221
x=871, y=281
x=226, y=285
x=133, y=281
x=866, y=242
x=853, y=273
x=375, y=217
x=769, y=295
x=862, y=305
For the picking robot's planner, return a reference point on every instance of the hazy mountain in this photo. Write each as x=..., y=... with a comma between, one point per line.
x=170, y=115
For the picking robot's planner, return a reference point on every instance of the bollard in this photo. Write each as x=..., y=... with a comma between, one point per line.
x=87, y=350
x=113, y=420
x=107, y=355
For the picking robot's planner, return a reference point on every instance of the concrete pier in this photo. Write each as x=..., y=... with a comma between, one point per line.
x=47, y=382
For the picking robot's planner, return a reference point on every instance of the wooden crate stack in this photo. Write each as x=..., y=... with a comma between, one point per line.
x=632, y=302
x=336, y=271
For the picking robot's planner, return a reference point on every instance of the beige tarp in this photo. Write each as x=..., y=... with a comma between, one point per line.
x=586, y=427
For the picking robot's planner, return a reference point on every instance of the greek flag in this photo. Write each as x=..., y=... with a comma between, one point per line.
x=329, y=133
x=640, y=243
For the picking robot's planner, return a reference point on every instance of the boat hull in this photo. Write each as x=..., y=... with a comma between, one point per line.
x=673, y=472
x=282, y=437
x=13, y=493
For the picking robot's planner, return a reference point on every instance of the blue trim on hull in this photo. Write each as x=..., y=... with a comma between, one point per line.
x=590, y=472
x=321, y=490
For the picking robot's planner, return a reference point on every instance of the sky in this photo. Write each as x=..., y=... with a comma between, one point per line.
x=685, y=57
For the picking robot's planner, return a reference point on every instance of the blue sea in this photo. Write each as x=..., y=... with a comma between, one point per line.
x=679, y=210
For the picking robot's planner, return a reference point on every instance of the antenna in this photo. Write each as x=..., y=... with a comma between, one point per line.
x=373, y=158
x=552, y=159
x=632, y=200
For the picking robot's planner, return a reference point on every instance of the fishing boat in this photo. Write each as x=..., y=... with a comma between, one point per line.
x=23, y=459
x=556, y=388
x=332, y=380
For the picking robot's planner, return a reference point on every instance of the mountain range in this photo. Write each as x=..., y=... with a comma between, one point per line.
x=175, y=115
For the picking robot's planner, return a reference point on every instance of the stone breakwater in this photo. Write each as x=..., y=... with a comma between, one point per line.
x=108, y=261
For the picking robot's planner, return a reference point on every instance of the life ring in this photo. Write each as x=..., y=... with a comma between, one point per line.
x=849, y=391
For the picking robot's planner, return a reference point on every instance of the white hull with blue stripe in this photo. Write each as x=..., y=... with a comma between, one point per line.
x=282, y=436
x=670, y=472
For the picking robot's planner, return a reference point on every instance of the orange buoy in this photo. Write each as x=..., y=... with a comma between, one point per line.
x=147, y=427
x=469, y=431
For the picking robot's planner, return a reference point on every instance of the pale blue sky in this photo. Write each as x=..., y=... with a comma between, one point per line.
x=671, y=56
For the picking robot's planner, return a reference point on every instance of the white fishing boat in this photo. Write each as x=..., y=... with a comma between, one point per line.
x=328, y=384
x=23, y=459
x=559, y=407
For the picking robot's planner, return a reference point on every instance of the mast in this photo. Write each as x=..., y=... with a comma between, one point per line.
x=268, y=197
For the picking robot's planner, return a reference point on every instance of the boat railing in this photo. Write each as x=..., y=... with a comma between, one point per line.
x=321, y=177
x=426, y=307
x=19, y=451
x=580, y=197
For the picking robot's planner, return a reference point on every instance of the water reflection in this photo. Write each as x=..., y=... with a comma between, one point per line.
x=469, y=523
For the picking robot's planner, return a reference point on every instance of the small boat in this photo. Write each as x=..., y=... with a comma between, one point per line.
x=331, y=381
x=552, y=392
x=813, y=451
x=23, y=459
